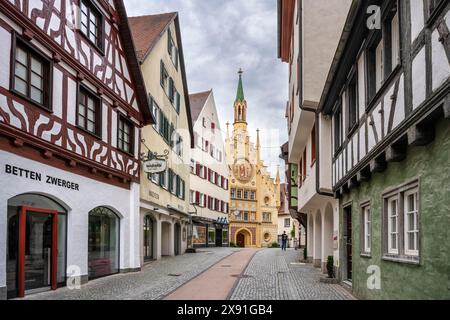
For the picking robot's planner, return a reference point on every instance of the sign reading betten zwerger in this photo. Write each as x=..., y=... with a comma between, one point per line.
x=36, y=176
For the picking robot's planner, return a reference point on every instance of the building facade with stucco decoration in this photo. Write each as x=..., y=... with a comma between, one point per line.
x=254, y=194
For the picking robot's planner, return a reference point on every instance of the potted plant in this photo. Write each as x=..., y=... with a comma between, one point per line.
x=330, y=267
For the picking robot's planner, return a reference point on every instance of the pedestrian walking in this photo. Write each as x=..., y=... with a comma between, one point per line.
x=284, y=240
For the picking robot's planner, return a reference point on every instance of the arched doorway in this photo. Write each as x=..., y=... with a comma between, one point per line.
x=103, y=245
x=177, y=239
x=148, y=234
x=36, y=244
x=243, y=238
x=240, y=240
x=165, y=238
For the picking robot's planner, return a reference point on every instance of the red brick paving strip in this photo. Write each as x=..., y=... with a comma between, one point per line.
x=217, y=282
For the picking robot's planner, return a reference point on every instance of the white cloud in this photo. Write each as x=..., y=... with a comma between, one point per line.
x=219, y=37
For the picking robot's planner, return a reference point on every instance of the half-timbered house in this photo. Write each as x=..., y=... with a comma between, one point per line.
x=72, y=101
x=388, y=96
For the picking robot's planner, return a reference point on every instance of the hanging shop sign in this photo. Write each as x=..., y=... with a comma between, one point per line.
x=153, y=162
x=155, y=166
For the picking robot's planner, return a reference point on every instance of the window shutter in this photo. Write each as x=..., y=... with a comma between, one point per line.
x=178, y=102
x=176, y=58
x=162, y=74
x=197, y=198
x=170, y=180
x=171, y=91
x=169, y=41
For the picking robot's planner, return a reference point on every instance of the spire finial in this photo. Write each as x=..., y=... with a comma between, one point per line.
x=240, y=91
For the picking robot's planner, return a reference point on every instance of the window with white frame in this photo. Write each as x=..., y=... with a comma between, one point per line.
x=287, y=223
x=163, y=180
x=201, y=200
x=411, y=222
x=172, y=49
x=192, y=197
x=233, y=193
x=366, y=225
x=267, y=217
x=393, y=225
x=155, y=113
x=402, y=223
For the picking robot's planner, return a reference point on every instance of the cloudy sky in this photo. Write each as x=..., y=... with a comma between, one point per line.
x=221, y=36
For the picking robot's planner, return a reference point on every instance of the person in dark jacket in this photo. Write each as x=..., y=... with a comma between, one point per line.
x=284, y=240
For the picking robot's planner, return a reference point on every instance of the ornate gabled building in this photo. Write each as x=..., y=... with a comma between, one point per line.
x=72, y=101
x=254, y=194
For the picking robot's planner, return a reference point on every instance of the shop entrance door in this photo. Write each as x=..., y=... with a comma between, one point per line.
x=37, y=263
x=241, y=240
x=348, y=243
x=219, y=237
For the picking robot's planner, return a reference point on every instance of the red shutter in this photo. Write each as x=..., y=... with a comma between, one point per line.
x=204, y=200
x=197, y=170
x=197, y=198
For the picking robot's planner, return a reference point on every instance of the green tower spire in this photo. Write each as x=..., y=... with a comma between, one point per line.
x=240, y=90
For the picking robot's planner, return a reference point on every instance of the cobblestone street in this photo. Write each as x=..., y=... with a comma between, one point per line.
x=270, y=275
x=155, y=281
x=276, y=275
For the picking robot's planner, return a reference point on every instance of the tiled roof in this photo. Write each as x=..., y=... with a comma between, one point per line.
x=198, y=101
x=147, y=30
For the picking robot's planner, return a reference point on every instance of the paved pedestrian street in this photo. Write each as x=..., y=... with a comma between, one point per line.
x=155, y=281
x=276, y=275
x=242, y=274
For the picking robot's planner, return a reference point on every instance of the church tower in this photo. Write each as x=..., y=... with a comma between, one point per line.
x=240, y=107
x=254, y=201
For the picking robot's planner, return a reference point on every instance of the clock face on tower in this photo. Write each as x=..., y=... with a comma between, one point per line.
x=243, y=170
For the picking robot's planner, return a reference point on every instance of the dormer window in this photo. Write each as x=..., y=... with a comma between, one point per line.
x=91, y=24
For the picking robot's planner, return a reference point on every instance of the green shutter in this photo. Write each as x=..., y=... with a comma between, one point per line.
x=178, y=103
x=162, y=71
x=171, y=91
x=170, y=180
x=161, y=122
x=169, y=41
